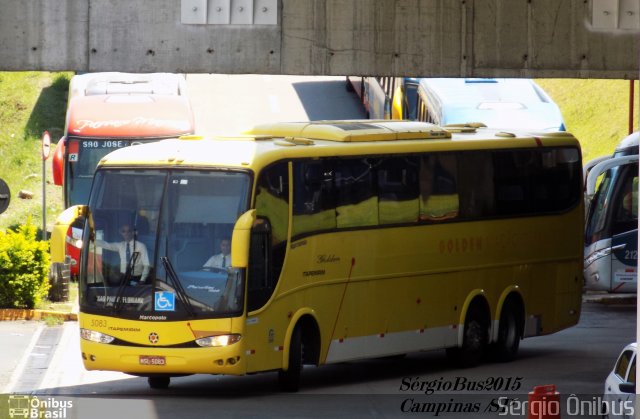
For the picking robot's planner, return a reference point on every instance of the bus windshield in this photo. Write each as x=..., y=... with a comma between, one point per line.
x=83, y=157
x=615, y=206
x=157, y=244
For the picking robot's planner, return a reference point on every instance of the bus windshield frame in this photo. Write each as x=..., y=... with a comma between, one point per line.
x=81, y=159
x=176, y=219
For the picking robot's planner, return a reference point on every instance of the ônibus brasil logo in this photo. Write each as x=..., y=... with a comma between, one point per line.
x=32, y=407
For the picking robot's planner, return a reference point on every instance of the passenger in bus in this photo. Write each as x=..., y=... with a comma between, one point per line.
x=130, y=250
x=222, y=259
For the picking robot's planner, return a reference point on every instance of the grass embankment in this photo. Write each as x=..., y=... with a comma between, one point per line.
x=595, y=111
x=30, y=103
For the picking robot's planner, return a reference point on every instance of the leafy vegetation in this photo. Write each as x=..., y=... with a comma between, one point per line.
x=24, y=264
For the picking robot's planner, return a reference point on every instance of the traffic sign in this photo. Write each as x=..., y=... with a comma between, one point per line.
x=46, y=145
x=5, y=196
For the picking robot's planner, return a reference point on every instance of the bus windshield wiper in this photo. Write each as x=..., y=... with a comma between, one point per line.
x=182, y=295
x=117, y=304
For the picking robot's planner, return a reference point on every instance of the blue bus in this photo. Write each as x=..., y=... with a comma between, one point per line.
x=498, y=103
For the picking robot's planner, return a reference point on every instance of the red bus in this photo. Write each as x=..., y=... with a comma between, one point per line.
x=107, y=111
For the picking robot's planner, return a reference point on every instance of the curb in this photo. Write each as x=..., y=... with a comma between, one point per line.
x=27, y=314
x=610, y=299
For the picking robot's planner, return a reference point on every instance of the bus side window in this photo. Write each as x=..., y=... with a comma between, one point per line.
x=272, y=199
x=357, y=201
x=261, y=283
x=313, y=197
x=439, y=199
x=272, y=209
x=476, y=184
x=513, y=171
x=420, y=109
x=398, y=190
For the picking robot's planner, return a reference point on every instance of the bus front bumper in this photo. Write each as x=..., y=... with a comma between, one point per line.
x=149, y=360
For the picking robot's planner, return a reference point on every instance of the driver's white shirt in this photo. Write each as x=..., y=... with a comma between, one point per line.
x=218, y=261
x=141, y=267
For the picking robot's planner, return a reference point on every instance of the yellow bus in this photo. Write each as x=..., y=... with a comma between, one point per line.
x=386, y=97
x=349, y=240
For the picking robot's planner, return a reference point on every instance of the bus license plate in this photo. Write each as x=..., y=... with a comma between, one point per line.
x=152, y=360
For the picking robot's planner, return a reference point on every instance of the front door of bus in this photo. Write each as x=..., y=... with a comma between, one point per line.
x=624, y=232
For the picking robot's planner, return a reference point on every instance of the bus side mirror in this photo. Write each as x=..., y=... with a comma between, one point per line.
x=57, y=164
x=627, y=387
x=241, y=239
x=61, y=228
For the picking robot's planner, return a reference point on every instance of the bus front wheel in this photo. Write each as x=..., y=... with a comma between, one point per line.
x=160, y=381
x=289, y=380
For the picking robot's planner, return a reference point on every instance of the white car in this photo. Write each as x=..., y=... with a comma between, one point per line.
x=620, y=386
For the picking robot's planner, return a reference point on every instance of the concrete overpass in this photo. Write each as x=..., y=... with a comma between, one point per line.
x=457, y=38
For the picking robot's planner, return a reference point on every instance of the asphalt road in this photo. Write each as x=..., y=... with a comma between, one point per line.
x=230, y=104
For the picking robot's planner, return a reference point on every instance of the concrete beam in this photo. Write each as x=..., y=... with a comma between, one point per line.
x=458, y=38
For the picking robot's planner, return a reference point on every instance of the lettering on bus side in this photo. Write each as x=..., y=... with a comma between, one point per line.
x=461, y=245
x=500, y=242
x=318, y=272
x=298, y=244
x=327, y=259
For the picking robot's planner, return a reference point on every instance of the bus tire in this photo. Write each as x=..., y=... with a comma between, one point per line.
x=506, y=347
x=159, y=381
x=289, y=380
x=474, y=343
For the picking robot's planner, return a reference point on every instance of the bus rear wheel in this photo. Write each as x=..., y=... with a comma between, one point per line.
x=474, y=342
x=289, y=380
x=506, y=347
x=159, y=382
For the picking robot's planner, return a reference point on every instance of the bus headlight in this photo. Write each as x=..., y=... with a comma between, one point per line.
x=94, y=336
x=220, y=340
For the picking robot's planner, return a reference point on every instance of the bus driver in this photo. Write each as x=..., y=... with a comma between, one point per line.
x=222, y=259
x=127, y=250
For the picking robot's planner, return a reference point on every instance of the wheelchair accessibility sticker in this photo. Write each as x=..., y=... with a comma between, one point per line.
x=165, y=301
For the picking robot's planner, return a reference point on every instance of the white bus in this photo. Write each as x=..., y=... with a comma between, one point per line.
x=611, y=236
x=497, y=103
